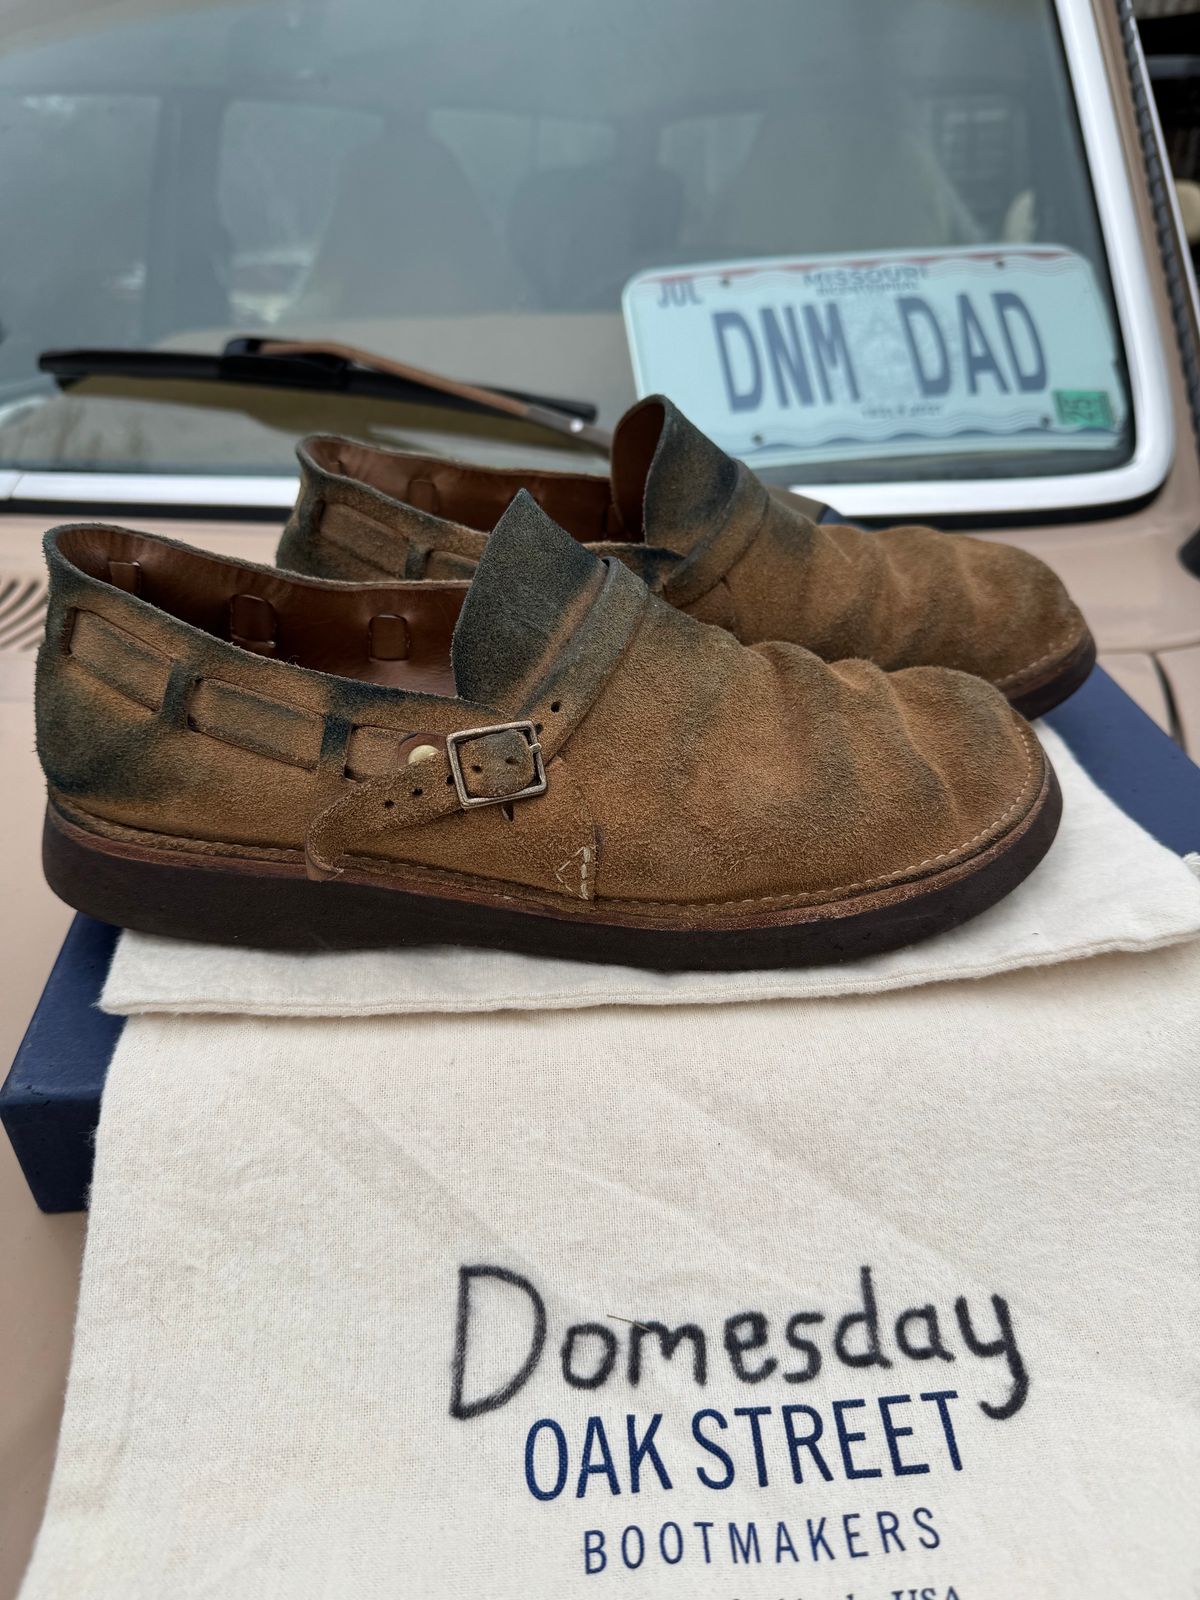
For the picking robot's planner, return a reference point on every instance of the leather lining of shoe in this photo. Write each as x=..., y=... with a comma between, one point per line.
x=396, y=634
x=474, y=497
x=634, y=445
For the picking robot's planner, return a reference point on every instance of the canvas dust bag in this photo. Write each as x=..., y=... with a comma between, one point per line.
x=818, y=1298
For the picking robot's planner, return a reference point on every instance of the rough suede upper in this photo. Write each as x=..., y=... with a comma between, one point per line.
x=701, y=530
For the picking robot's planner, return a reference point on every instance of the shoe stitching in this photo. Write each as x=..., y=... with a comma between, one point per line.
x=583, y=856
x=1061, y=646
x=946, y=855
x=586, y=854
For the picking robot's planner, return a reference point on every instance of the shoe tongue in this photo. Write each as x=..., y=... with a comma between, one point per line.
x=671, y=484
x=532, y=587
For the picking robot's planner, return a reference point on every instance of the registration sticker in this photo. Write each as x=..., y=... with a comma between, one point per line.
x=997, y=348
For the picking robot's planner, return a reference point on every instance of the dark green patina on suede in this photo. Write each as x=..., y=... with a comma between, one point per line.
x=532, y=588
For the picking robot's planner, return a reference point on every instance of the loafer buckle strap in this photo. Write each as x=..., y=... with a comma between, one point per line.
x=494, y=764
x=468, y=798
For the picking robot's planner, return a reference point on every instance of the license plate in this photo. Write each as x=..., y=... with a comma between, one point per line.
x=898, y=354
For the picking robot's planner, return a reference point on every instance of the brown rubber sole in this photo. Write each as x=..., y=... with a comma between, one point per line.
x=1062, y=681
x=274, y=905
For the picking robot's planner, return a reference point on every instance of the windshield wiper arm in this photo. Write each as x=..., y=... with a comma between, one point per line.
x=330, y=367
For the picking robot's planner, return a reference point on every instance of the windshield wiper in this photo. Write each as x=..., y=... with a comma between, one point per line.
x=330, y=367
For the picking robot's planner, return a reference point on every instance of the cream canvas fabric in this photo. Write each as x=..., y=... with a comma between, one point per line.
x=885, y=1294
x=1106, y=885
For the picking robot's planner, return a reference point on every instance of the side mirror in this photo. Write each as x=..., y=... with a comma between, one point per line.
x=1188, y=194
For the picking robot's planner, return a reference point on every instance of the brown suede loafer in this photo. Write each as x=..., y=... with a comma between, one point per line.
x=704, y=533
x=548, y=759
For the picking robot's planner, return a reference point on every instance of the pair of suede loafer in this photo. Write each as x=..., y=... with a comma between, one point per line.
x=664, y=719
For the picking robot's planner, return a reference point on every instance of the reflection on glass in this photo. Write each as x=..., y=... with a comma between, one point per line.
x=470, y=185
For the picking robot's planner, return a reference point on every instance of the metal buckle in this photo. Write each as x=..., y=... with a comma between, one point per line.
x=467, y=800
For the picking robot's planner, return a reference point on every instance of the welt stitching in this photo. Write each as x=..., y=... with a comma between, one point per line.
x=125, y=832
x=1055, y=649
x=957, y=850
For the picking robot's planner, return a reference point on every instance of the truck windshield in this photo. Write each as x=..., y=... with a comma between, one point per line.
x=852, y=238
